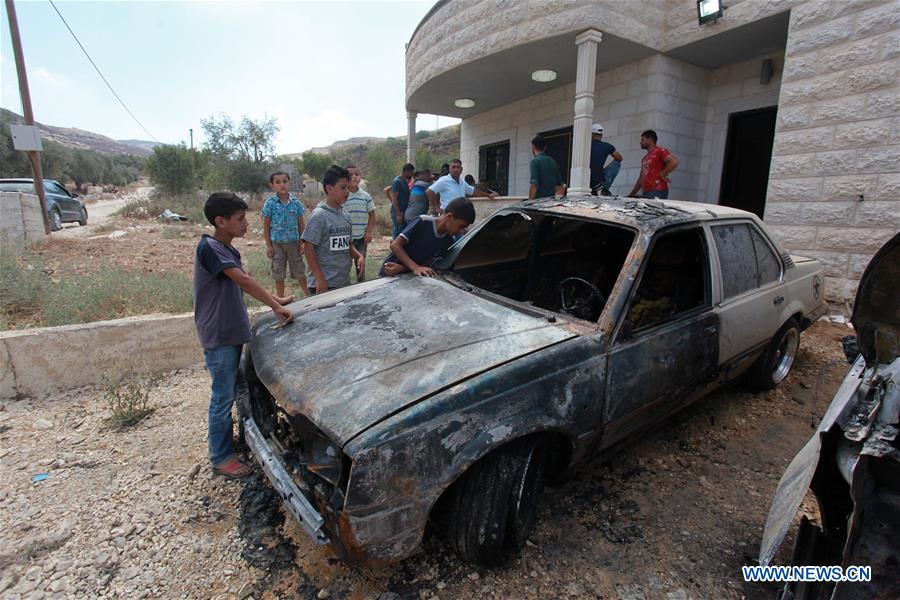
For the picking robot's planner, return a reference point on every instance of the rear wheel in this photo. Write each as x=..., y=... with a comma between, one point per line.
x=55, y=220
x=773, y=366
x=491, y=509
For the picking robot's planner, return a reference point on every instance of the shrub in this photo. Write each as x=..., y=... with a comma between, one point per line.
x=129, y=399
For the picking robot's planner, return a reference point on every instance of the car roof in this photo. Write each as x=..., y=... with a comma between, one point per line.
x=639, y=213
x=25, y=180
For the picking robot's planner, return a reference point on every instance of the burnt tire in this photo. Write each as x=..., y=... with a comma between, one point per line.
x=491, y=509
x=773, y=366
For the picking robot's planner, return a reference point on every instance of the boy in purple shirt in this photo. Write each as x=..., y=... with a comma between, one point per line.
x=223, y=325
x=426, y=237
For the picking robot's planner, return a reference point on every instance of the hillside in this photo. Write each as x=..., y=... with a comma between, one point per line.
x=85, y=140
x=443, y=143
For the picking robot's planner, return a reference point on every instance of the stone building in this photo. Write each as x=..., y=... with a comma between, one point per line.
x=788, y=108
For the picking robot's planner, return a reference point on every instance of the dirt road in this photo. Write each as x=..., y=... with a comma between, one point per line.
x=138, y=514
x=99, y=213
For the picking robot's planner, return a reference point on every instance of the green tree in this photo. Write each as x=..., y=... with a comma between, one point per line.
x=382, y=167
x=425, y=159
x=171, y=169
x=315, y=165
x=248, y=141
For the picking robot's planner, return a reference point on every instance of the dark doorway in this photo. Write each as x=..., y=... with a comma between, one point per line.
x=748, y=151
x=493, y=165
x=559, y=146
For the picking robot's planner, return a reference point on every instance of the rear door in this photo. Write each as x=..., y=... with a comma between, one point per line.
x=750, y=291
x=666, y=347
x=68, y=206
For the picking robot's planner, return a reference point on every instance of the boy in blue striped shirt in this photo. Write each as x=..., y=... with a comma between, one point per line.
x=361, y=209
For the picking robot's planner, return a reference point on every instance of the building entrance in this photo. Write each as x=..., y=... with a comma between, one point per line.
x=559, y=146
x=748, y=152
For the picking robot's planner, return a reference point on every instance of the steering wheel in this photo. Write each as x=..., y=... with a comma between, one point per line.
x=580, y=298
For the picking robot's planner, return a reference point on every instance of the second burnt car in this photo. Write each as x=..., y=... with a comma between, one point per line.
x=553, y=330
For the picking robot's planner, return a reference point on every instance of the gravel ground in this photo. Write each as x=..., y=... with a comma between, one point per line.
x=138, y=513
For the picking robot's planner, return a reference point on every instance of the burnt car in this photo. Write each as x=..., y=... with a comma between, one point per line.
x=553, y=330
x=852, y=463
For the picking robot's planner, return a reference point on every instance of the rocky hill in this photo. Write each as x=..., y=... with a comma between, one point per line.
x=442, y=142
x=86, y=140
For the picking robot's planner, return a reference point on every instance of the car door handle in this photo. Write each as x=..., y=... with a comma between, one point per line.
x=710, y=330
x=778, y=300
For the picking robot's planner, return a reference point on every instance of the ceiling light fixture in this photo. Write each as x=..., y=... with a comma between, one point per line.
x=464, y=103
x=543, y=75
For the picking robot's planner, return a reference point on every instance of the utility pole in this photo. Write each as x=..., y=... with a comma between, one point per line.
x=191, y=131
x=33, y=156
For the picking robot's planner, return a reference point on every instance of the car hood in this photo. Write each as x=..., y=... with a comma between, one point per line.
x=361, y=354
x=876, y=312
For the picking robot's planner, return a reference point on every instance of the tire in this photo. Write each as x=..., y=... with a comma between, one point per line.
x=491, y=509
x=773, y=366
x=82, y=216
x=55, y=220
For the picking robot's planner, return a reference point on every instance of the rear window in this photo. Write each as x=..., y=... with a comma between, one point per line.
x=26, y=187
x=746, y=260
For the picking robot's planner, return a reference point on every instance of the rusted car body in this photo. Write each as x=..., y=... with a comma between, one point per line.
x=852, y=462
x=553, y=330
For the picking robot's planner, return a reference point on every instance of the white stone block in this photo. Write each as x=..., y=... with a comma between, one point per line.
x=888, y=187
x=792, y=236
x=795, y=190
x=852, y=239
x=836, y=162
x=835, y=263
x=883, y=103
x=884, y=159
x=802, y=66
x=642, y=85
x=819, y=36
x=792, y=165
x=858, y=264
x=804, y=140
x=793, y=117
x=625, y=73
x=872, y=77
x=838, y=289
x=850, y=108
x=811, y=213
x=849, y=187
x=611, y=94
x=877, y=20
x=878, y=214
x=622, y=108
x=864, y=133
x=850, y=55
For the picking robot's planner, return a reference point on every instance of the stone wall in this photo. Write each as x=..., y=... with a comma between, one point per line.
x=834, y=185
x=38, y=362
x=21, y=221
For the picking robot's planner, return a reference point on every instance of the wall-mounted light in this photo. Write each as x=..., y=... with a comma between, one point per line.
x=543, y=75
x=463, y=103
x=709, y=11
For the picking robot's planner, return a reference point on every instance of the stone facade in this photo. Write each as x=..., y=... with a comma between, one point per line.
x=834, y=182
x=21, y=221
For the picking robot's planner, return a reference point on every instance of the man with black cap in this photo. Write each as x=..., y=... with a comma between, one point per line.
x=603, y=175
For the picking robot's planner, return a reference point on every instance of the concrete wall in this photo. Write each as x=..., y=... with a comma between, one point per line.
x=834, y=185
x=21, y=221
x=38, y=362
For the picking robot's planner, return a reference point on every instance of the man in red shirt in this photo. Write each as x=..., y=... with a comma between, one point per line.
x=655, y=168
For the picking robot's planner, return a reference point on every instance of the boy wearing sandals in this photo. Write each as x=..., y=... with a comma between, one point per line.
x=223, y=325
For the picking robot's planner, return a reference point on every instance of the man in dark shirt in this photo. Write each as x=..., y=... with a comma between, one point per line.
x=546, y=180
x=398, y=195
x=602, y=175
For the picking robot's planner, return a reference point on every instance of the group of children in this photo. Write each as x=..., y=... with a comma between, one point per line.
x=334, y=238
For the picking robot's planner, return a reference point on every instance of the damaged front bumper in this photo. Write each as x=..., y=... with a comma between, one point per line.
x=295, y=500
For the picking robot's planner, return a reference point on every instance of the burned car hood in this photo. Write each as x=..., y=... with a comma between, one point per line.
x=876, y=311
x=362, y=354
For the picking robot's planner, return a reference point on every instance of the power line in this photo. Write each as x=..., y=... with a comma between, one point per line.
x=96, y=68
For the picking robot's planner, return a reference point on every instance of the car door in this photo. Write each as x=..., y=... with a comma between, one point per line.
x=68, y=206
x=751, y=291
x=666, y=349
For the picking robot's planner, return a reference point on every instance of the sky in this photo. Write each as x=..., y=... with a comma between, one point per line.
x=325, y=70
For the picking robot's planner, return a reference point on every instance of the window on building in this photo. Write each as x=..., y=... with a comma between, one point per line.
x=493, y=165
x=559, y=146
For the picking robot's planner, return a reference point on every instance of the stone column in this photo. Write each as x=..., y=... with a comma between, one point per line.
x=411, y=136
x=580, y=174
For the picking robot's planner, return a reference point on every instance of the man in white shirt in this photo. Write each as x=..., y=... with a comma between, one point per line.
x=450, y=187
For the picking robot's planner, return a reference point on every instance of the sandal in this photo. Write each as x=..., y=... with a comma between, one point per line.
x=233, y=468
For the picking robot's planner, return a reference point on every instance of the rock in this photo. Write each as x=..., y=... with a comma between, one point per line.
x=192, y=473
x=42, y=424
x=630, y=592
x=117, y=234
x=323, y=593
x=677, y=595
x=474, y=576
x=245, y=591
x=389, y=596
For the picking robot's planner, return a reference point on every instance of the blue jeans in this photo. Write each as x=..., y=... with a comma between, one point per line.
x=662, y=194
x=396, y=227
x=222, y=364
x=607, y=176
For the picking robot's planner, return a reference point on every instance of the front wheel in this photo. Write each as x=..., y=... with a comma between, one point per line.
x=55, y=220
x=82, y=216
x=491, y=509
x=773, y=366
